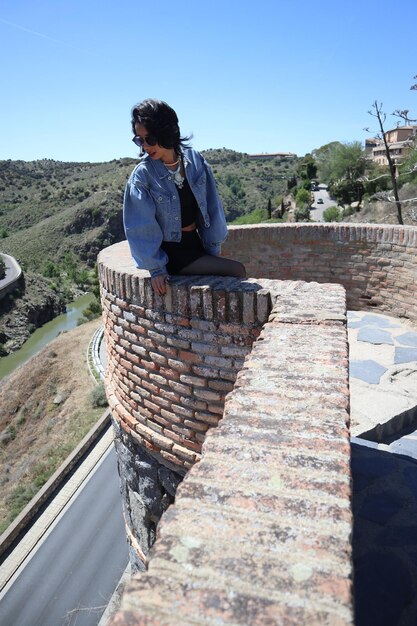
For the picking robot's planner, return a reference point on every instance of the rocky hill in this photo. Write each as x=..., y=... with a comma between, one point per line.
x=48, y=209
x=29, y=306
x=56, y=217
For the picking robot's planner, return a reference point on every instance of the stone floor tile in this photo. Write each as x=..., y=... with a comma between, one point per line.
x=407, y=339
x=369, y=371
x=405, y=355
x=382, y=321
x=371, y=334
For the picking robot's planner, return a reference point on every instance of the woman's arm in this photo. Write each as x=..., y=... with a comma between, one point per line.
x=142, y=230
x=215, y=210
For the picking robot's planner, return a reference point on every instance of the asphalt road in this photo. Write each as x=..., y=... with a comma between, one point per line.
x=13, y=271
x=317, y=210
x=72, y=574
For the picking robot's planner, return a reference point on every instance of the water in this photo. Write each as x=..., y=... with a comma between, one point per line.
x=43, y=335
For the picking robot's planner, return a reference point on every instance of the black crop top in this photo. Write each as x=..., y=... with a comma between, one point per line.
x=189, y=206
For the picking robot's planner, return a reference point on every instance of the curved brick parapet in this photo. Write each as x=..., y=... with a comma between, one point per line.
x=376, y=263
x=170, y=363
x=172, y=360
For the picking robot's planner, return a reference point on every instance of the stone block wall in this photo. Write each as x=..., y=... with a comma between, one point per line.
x=376, y=263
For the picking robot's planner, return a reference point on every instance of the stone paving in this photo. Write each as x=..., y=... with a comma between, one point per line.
x=383, y=381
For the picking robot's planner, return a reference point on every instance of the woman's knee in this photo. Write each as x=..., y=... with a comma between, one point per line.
x=240, y=270
x=215, y=265
x=233, y=268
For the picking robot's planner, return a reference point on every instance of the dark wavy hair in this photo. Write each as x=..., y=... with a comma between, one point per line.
x=161, y=121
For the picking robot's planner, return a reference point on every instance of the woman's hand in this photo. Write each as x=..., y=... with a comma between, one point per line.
x=159, y=284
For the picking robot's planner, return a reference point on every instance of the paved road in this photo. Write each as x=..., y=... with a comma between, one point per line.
x=318, y=209
x=13, y=271
x=78, y=563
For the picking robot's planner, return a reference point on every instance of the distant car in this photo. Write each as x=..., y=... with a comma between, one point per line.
x=320, y=201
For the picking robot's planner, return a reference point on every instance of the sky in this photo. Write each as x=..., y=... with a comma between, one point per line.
x=252, y=76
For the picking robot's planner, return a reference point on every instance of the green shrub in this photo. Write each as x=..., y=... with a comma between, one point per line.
x=254, y=217
x=332, y=214
x=8, y=434
x=302, y=214
x=18, y=499
x=93, y=310
x=98, y=396
x=50, y=269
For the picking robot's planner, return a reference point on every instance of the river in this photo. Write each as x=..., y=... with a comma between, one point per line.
x=45, y=334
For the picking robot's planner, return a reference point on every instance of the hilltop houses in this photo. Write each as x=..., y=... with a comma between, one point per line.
x=400, y=141
x=274, y=155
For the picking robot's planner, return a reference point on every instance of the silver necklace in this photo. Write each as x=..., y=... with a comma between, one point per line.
x=178, y=179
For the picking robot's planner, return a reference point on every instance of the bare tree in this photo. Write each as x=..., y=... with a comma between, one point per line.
x=404, y=116
x=381, y=117
x=414, y=86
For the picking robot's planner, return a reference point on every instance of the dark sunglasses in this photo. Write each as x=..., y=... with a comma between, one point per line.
x=150, y=140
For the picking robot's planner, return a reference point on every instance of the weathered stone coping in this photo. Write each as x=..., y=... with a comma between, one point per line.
x=260, y=529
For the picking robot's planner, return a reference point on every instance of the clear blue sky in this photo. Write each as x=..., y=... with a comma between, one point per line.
x=253, y=76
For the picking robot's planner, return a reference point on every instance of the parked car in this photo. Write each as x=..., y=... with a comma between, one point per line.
x=320, y=201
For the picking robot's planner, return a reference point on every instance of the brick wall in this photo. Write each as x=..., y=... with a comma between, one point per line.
x=376, y=263
x=172, y=360
x=260, y=529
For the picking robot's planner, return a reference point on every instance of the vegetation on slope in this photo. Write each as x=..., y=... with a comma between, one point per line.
x=46, y=408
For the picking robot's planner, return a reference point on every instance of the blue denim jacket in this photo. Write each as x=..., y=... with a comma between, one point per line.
x=152, y=211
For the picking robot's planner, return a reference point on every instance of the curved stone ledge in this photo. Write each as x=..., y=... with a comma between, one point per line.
x=172, y=360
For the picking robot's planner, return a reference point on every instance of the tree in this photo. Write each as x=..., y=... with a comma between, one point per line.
x=403, y=114
x=324, y=157
x=269, y=209
x=50, y=269
x=342, y=163
x=307, y=167
x=302, y=198
x=342, y=166
x=347, y=191
x=302, y=214
x=408, y=167
x=381, y=117
x=332, y=214
x=291, y=183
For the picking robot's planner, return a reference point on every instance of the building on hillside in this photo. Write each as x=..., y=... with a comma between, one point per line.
x=370, y=144
x=273, y=155
x=399, y=141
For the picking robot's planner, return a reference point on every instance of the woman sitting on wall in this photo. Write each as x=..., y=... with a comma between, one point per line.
x=173, y=217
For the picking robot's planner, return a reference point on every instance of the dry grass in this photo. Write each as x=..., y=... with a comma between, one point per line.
x=45, y=410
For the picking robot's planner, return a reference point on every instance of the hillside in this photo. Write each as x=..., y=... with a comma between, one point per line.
x=56, y=217
x=380, y=212
x=46, y=408
x=247, y=184
x=48, y=209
